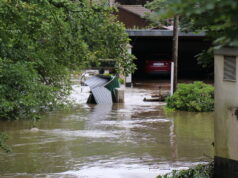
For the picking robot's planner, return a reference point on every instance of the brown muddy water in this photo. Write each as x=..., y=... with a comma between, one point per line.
x=131, y=140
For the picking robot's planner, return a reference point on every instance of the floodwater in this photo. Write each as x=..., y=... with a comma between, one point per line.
x=131, y=140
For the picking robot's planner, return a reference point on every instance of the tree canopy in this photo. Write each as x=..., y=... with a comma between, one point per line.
x=42, y=41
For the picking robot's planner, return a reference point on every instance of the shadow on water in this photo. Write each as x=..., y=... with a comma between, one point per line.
x=134, y=139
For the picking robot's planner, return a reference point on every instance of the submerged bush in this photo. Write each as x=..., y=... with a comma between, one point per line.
x=199, y=171
x=3, y=145
x=195, y=97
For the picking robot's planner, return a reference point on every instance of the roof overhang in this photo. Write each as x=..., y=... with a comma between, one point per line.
x=161, y=33
x=229, y=51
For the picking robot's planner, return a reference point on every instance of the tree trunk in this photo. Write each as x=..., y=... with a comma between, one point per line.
x=175, y=50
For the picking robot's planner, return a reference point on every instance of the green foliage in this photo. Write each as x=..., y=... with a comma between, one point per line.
x=156, y=17
x=205, y=58
x=22, y=93
x=196, y=97
x=168, y=110
x=3, y=145
x=121, y=80
x=107, y=40
x=199, y=171
x=42, y=41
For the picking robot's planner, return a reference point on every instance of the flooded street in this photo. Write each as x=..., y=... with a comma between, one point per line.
x=131, y=140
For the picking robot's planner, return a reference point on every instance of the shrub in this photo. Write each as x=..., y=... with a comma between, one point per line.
x=195, y=97
x=199, y=171
x=3, y=145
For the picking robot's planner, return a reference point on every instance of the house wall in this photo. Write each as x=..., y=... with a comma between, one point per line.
x=131, y=20
x=226, y=119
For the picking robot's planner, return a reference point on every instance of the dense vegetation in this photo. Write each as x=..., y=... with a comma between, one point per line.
x=195, y=97
x=42, y=41
x=199, y=171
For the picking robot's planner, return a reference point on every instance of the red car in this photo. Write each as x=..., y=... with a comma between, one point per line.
x=154, y=67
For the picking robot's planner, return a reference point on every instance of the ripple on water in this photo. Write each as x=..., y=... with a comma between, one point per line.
x=122, y=170
x=132, y=123
x=83, y=133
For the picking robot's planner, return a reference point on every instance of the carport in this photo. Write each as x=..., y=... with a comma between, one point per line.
x=157, y=44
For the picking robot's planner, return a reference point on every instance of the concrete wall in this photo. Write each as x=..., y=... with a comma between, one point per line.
x=226, y=118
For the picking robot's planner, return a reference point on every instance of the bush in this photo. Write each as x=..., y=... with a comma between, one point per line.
x=199, y=171
x=3, y=145
x=196, y=97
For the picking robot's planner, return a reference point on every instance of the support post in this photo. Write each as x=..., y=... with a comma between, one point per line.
x=128, y=78
x=172, y=79
x=175, y=50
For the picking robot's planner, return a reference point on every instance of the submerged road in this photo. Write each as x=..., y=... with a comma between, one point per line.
x=133, y=140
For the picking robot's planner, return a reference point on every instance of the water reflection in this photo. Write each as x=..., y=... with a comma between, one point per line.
x=195, y=129
x=134, y=139
x=97, y=114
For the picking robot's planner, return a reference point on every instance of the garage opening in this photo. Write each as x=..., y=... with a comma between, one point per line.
x=154, y=55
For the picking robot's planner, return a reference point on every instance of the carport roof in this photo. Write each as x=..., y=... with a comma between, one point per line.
x=161, y=33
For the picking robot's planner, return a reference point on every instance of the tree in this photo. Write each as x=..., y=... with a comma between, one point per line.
x=158, y=5
x=156, y=17
x=42, y=41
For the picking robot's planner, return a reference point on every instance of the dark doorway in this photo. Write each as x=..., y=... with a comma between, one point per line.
x=160, y=48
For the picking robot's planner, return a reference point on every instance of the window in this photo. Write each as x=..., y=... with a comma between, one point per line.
x=229, y=68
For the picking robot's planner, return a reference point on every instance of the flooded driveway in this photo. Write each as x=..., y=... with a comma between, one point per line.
x=131, y=140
